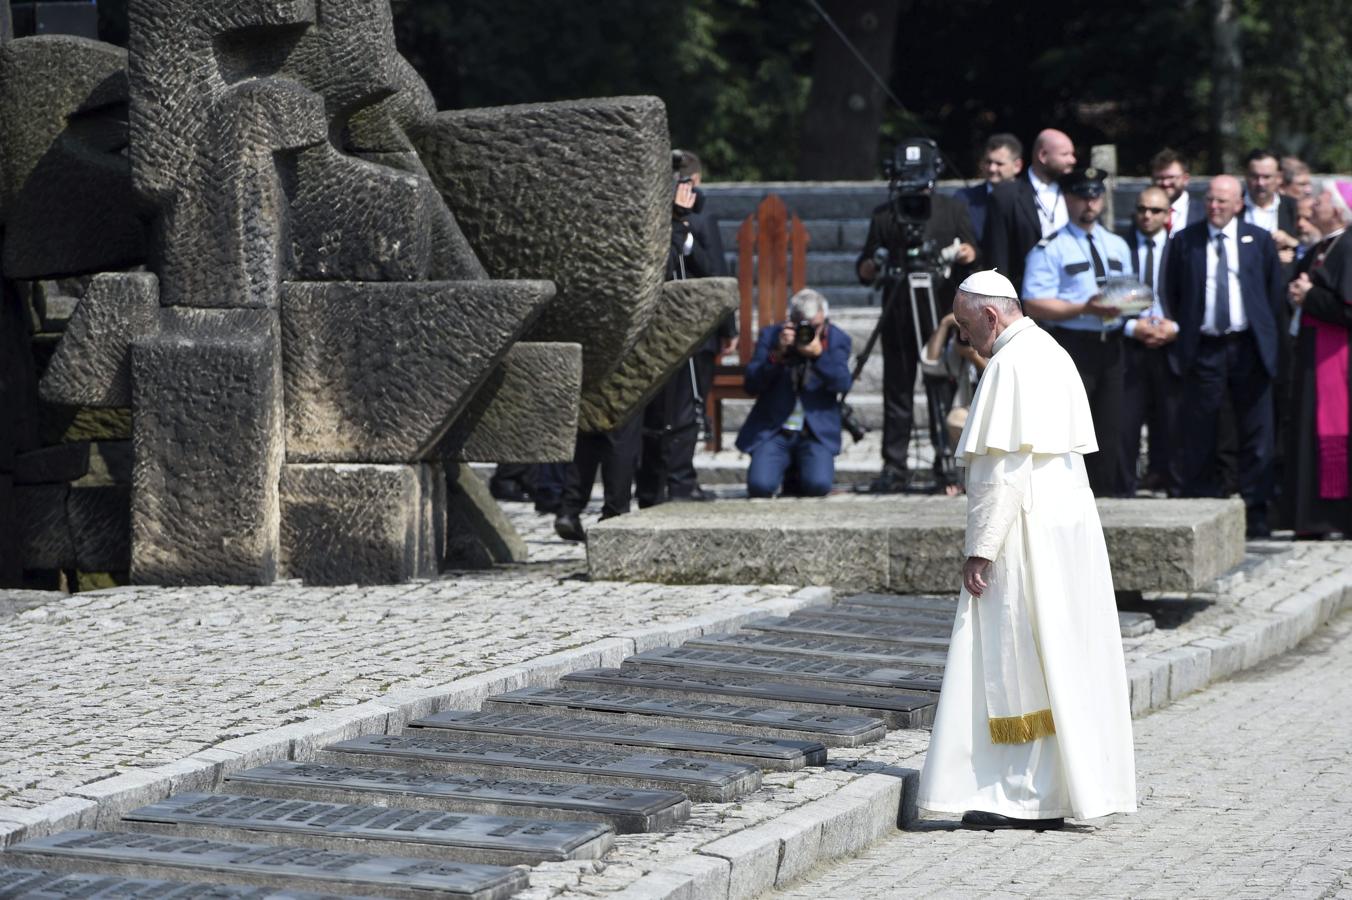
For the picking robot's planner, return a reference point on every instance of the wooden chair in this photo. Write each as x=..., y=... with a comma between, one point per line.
x=771, y=267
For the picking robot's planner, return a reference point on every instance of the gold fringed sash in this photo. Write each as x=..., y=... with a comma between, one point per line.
x=1022, y=729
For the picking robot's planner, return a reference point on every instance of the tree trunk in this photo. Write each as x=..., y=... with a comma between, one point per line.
x=1226, y=65
x=845, y=106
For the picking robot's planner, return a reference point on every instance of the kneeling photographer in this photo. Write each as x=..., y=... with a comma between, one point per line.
x=920, y=246
x=793, y=431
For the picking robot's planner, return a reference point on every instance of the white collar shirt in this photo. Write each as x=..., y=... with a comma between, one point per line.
x=1263, y=217
x=1238, y=321
x=1051, y=205
x=1178, y=218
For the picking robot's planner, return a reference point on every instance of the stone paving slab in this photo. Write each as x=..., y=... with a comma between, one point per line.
x=896, y=544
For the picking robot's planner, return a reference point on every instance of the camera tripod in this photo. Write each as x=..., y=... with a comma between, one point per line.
x=919, y=283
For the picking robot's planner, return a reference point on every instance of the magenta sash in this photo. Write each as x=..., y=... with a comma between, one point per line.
x=1331, y=407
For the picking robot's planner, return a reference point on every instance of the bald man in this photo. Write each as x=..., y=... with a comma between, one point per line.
x=1226, y=286
x=1026, y=209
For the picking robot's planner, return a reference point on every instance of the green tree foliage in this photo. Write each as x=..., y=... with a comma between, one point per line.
x=733, y=73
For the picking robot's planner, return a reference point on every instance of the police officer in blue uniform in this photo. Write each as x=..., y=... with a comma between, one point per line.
x=1063, y=277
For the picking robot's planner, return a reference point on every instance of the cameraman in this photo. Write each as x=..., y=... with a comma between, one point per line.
x=799, y=369
x=920, y=230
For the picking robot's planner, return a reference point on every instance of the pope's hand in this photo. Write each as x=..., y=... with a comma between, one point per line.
x=974, y=575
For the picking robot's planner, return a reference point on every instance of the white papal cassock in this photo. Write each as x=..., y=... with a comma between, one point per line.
x=1033, y=721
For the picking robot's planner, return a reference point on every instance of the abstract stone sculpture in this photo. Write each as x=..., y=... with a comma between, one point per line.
x=308, y=345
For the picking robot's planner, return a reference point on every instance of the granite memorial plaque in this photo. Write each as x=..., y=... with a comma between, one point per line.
x=710, y=780
x=37, y=884
x=832, y=730
x=627, y=810
x=290, y=868
x=947, y=604
x=917, y=635
x=571, y=731
x=897, y=709
x=930, y=617
x=363, y=828
x=784, y=668
x=845, y=649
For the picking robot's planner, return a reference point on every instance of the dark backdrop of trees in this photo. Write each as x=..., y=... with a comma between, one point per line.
x=764, y=91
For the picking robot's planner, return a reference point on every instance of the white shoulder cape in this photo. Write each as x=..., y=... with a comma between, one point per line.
x=1030, y=399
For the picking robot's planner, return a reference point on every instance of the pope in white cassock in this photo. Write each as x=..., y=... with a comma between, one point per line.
x=1033, y=723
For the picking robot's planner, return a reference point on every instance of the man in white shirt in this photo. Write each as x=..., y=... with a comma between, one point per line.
x=1226, y=289
x=1025, y=210
x=1273, y=212
x=1169, y=171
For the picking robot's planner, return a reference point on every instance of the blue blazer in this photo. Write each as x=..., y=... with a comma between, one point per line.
x=977, y=199
x=771, y=383
x=1260, y=282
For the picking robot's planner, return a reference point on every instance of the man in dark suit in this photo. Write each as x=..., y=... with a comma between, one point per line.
x=1149, y=388
x=950, y=231
x=1273, y=212
x=1169, y=172
x=1026, y=209
x=1225, y=283
x=796, y=380
x=1001, y=161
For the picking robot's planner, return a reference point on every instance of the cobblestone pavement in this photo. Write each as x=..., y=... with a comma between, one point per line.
x=1245, y=791
x=99, y=683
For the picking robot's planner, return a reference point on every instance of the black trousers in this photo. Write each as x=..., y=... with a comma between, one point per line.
x=1228, y=363
x=1099, y=359
x=1150, y=395
x=901, y=361
x=671, y=420
x=615, y=453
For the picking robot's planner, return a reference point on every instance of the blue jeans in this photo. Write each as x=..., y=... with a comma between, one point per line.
x=816, y=465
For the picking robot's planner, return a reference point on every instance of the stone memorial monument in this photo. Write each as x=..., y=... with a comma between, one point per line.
x=263, y=303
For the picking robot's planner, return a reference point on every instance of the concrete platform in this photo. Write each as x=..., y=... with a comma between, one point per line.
x=894, y=544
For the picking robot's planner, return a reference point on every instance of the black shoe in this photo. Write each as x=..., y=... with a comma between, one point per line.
x=547, y=506
x=508, y=489
x=569, y=527
x=987, y=821
x=697, y=495
x=891, y=481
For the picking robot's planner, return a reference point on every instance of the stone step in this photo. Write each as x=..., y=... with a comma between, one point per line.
x=364, y=828
x=702, y=780
x=783, y=668
x=917, y=617
x=913, y=635
x=845, y=649
x=943, y=603
x=128, y=854
x=627, y=810
x=40, y=884
x=601, y=734
x=894, y=544
x=831, y=730
x=897, y=709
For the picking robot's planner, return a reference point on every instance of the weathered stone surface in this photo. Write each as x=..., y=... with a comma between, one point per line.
x=61, y=424
x=155, y=856
x=844, y=649
x=547, y=727
x=66, y=200
x=832, y=730
x=92, y=365
x=45, y=540
x=797, y=670
x=922, y=634
x=900, y=544
x=110, y=462
x=100, y=526
x=685, y=314
x=525, y=412
x=898, y=709
x=377, y=372
x=627, y=810
x=37, y=884
x=52, y=465
x=347, y=828
x=209, y=445
x=706, y=780
x=478, y=534
x=356, y=523
x=618, y=148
